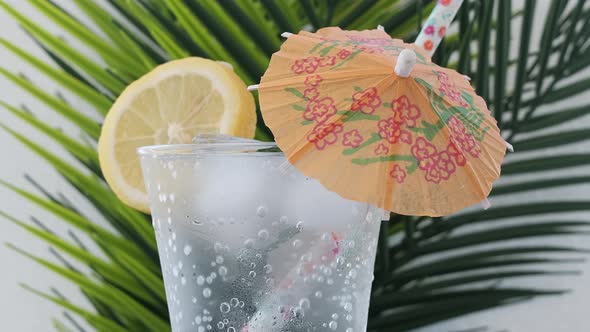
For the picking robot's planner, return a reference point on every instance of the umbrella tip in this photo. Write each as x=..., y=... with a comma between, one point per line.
x=509, y=146
x=406, y=61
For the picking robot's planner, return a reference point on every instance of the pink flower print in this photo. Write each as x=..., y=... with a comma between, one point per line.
x=429, y=30
x=311, y=93
x=327, y=61
x=448, y=89
x=343, y=54
x=456, y=155
x=456, y=126
x=445, y=2
x=398, y=173
x=381, y=149
x=306, y=65
x=352, y=138
x=461, y=139
x=319, y=110
x=365, y=101
x=313, y=80
x=445, y=165
x=425, y=153
x=324, y=134
x=406, y=136
x=404, y=111
x=391, y=131
x=442, y=31
x=428, y=45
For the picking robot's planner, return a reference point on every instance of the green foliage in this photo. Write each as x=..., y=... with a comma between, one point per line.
x=427, y=269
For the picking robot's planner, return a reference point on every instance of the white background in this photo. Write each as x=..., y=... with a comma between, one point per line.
x=23, y=312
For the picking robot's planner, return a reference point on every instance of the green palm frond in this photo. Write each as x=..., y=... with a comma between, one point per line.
x=428, y=269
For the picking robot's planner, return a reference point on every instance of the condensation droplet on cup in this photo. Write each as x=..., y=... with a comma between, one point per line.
x=207, y=292
x=261, y=211
x=231, y=329
x=224, y=307
x=187, y=249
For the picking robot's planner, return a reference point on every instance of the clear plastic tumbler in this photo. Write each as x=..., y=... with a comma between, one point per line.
x=249, y=245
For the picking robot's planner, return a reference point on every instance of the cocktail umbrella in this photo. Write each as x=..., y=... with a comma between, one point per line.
x=373, y=119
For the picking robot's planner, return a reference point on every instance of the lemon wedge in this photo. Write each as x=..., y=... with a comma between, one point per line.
x=170, y=105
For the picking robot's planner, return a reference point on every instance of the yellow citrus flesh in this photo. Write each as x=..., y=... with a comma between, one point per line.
x=170, y=105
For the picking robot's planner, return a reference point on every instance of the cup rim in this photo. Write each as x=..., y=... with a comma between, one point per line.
x=255, y=148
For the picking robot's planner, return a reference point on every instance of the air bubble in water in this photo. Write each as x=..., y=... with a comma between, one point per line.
x=283, y=219
x=234, y=302
x=219, y=260
x=267, y=268
x=200, y=280
x=348, y=306
x=299, y=225
x=333, y=325
x=349, y=329
x=224, y=307
x=261, y=211
x=297, y=243
x=249, y=243
x=183, y=280
x=220, y=325
x=304, y=303
x=318, y=294
x=222, y=271
x=263, y=234
x=206, y=292
x=194, y=300
x=297, y=312
x=252, y=274
x=334, y=316
x=187, y=250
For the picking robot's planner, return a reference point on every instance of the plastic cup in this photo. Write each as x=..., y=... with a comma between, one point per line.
x=246, y=245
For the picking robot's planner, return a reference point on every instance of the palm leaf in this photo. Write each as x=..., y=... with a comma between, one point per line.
x=428, y=269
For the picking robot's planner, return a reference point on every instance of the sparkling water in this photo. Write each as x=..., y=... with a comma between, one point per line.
x=250, y=245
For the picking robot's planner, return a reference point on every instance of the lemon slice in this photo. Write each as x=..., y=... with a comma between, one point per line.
x=170, y=105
